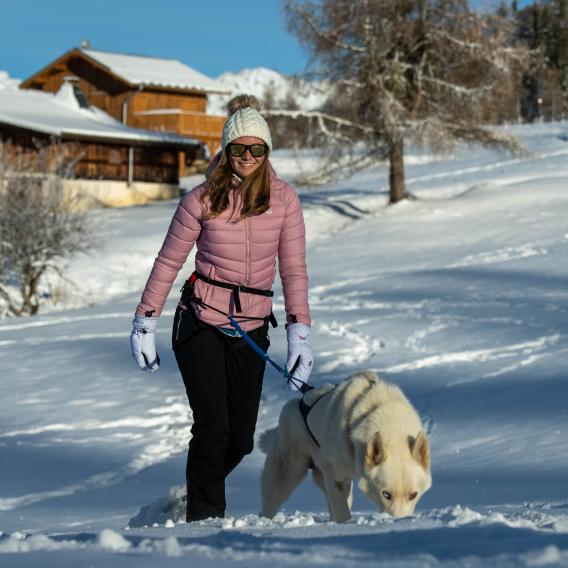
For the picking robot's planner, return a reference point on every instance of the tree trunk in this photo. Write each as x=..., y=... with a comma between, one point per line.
x=30, y=300
x=564, y=90
x=397, y=186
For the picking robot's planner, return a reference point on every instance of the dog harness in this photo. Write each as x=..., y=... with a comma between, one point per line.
x=305, y=410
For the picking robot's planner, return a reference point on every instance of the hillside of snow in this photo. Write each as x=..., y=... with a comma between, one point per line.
x=460, y=297
x=260, y=82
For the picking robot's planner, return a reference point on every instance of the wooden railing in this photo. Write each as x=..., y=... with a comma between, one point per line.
x=204, y=127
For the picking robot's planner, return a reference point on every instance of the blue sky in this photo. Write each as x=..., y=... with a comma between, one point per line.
x=212, y=36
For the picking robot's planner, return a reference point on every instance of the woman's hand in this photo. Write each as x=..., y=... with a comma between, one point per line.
x=142, y=343
x=300, y=356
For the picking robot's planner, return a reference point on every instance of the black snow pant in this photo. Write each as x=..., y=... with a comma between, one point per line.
x=223, y=381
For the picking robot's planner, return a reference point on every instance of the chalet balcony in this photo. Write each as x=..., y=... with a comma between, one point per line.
x=204, y=127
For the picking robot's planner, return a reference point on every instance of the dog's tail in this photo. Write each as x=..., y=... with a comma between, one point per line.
x=268, y=439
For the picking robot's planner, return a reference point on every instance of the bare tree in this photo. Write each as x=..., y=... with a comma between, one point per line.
x=40, y=223
x=428, y=71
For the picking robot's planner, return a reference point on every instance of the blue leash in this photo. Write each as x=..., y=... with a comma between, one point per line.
x=288, y=375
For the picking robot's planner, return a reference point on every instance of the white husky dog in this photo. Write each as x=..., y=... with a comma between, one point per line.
x=361, y=428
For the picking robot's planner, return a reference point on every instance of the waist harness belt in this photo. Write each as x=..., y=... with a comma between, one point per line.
x=236, y=289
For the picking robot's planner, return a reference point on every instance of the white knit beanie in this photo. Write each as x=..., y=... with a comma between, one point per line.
x=246, y=122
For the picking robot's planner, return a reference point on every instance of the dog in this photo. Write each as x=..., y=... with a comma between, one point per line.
x=362, y=428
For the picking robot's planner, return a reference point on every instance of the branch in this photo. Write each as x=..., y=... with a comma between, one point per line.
x=339, y=170
x=353, y=83
x=327, y=36
x=459, y=89
x=319, y=116
x=488, y=138
x=467, y=45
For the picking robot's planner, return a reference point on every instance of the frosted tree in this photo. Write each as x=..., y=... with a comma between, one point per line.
x=428, y=71
x=40, y=223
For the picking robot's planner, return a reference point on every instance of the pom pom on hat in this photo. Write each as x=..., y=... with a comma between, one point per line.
x=245, y=120
x=242, y=101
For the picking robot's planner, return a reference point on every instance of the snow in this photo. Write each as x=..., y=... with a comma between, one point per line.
x=154, y=71
x=59, y=114
x=112, y=540
x=460, y=297
x=309, y=95
x=7, y=82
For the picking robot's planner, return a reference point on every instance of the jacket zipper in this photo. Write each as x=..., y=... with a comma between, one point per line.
x=247, y=249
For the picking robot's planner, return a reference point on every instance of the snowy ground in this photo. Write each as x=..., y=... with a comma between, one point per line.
x=460, y=297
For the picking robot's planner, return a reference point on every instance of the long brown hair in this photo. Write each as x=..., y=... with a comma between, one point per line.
x=255, y=188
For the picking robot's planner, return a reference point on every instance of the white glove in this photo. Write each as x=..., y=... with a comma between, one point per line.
x=142, y=343
x=299, y=340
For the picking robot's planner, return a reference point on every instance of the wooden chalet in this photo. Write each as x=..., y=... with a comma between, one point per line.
x=141, y=92
x=115, y=165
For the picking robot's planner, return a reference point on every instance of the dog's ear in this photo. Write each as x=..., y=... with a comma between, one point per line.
x=420, y=449
x=375, y=452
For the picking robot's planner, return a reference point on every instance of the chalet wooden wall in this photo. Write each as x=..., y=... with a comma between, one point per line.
x=96, y=160
x=205, y=128
x=111, y=162
x=149, y=99
x=20, y=149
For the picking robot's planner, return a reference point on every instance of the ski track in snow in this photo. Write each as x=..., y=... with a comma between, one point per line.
x=59, y=320
x=414, y=342
x=500, y=255
x=64, y=320
x=71, y=338
x=498, y=165
x=361, y=349
x=479, y=355
x=60, y=338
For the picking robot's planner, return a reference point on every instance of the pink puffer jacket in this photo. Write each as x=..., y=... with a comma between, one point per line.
x=238, y=252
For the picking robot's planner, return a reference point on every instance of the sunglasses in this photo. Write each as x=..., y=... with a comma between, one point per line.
x=256, y=150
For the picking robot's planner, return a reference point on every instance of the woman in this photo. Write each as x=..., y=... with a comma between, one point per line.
x=241, y=218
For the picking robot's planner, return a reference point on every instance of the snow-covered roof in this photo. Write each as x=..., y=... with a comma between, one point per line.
x=60, y=114
x=141, y=70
